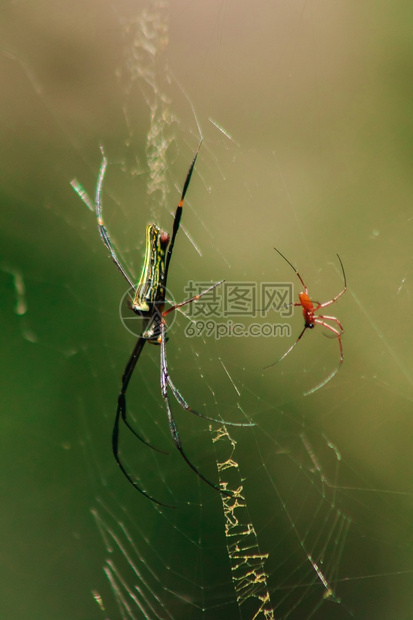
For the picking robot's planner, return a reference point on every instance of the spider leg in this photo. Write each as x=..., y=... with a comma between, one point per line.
x=104, y=235
x=165, y=381
x=292, y=267
x=115, y=444
x=121, y=414
x=338, y=335
x=290, y=349
x=121, y=410
x=328, y=303
x=178, y=396
x=192, y=299
x=178, y=213
x=182, y=402
x=331, y=318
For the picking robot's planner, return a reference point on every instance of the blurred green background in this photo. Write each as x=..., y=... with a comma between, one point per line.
x=316, y=98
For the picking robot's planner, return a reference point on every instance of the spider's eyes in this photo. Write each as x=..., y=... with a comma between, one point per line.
x=309, y=325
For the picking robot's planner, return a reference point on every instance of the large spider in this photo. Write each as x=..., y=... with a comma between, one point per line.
x=311, y=320
x=149, y=303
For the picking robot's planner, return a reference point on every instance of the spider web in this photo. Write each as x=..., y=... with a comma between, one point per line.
x=305, y=119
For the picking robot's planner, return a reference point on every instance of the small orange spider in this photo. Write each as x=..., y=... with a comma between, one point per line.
x=311, y=320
